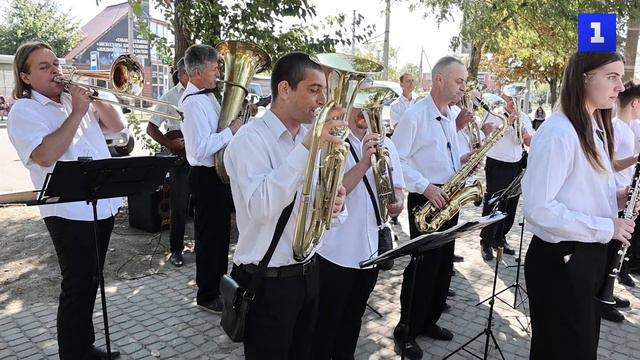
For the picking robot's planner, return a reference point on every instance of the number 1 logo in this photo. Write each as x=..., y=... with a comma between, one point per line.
x=596, y=32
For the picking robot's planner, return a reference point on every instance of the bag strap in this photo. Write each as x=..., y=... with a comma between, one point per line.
x=262, y=266
x=203, y=91
x=366, y=183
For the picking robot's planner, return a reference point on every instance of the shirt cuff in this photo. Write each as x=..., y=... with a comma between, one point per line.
x=227, y=135
x=604, y=232
x=422, y=185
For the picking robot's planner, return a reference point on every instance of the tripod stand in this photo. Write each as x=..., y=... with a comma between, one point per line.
x=499, y=200
x=487, y=332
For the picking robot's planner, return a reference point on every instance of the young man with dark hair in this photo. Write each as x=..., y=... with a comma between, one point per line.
x=266, y=162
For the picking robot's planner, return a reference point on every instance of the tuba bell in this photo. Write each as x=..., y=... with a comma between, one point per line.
x=242, y=60
x=322, y=178
x=371, y=101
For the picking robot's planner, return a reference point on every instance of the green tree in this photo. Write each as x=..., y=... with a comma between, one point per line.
x=26, y=20
x=277, y=26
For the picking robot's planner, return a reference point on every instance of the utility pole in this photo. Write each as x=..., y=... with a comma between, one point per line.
x=353, y=33
x=130, y=28
x=385, y=53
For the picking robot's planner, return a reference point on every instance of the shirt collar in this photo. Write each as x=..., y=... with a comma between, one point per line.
x=274, y=124
x=404, y=99
x=433, y=109
x=43, y=99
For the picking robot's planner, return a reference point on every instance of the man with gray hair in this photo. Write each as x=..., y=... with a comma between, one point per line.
x=173, y=141
x=426, y=141
x=211, y=197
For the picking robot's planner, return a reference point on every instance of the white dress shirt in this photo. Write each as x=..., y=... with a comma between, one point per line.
x=635, y=126
x=564, y=197
x=200, y=127
x=507, y=148
x=427, y=147
x=30, y=120
x=172, y=96
x=266, y=167
x=623, y=145
x=356, y=239
x=399, y=106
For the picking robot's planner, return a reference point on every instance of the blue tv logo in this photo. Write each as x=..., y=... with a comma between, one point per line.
x=596, y=32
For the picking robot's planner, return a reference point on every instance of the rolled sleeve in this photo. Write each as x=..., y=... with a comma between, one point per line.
x=403, y=137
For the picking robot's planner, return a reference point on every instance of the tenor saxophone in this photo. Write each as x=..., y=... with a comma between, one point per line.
x=427, y=217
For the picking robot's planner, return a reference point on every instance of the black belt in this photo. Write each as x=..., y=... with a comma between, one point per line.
x=282, y=271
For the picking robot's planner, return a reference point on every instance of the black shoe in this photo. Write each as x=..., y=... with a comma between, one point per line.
x=625, y=279
x=411, y=349
x=612, y=314
x=99, y=354
x=451, y=293
x=506, y=249
x=176, y=259
x=438, y=333
x=457, y=258
x=621, y=303
x=214, y=306
x=487, y=252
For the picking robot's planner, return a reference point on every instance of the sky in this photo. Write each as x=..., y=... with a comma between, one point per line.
x=408, y=31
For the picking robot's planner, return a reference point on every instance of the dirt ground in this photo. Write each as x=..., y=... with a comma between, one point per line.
x=29, y=271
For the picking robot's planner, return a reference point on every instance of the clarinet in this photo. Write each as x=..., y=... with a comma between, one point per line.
x=606, y=292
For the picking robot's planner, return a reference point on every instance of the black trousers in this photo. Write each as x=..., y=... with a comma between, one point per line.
x=213, y=205
x=343, y=299
x=76, y=250
x=499, y=175
x=281, y=321
x=433, y=277
x=179, y=201
x=565, y=313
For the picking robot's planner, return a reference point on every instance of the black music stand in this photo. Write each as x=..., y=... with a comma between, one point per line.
x=417, y=246
x=514, y=189
x=487, y=330
x=90, y=180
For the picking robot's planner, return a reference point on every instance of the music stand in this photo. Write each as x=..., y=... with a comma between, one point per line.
x=417, y=246
x=90, y=180
x=512, y=190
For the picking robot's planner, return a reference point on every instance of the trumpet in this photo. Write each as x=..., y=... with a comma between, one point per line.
x=371, y=101
x=345, y=75
x=126, y=78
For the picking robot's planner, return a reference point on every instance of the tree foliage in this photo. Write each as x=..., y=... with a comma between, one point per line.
x=520, y=39
x=276, y=26
x=26, y=20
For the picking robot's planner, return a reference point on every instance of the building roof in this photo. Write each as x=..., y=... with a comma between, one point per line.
x=98, y=26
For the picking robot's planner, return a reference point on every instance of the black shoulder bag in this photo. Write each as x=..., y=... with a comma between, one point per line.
x=237, y=300
x=385, y=238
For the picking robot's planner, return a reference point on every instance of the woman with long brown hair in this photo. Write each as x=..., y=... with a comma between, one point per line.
x=571, y=204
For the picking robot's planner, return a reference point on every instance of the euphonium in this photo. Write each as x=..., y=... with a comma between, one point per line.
x=606, y=292
x=323, y=176
x=371, y=101
x=467, y=102
x=242, y=60
x=427, y=217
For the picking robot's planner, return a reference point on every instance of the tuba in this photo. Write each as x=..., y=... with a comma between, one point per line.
x=325, y=165
x=242, y=60
x=427, y=217
x=371, y=100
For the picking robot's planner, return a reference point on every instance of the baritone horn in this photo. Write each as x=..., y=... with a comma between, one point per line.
x=127, y=79
x=325, y=165
x=371, y=101
x=242, y=60
x=515, y=92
